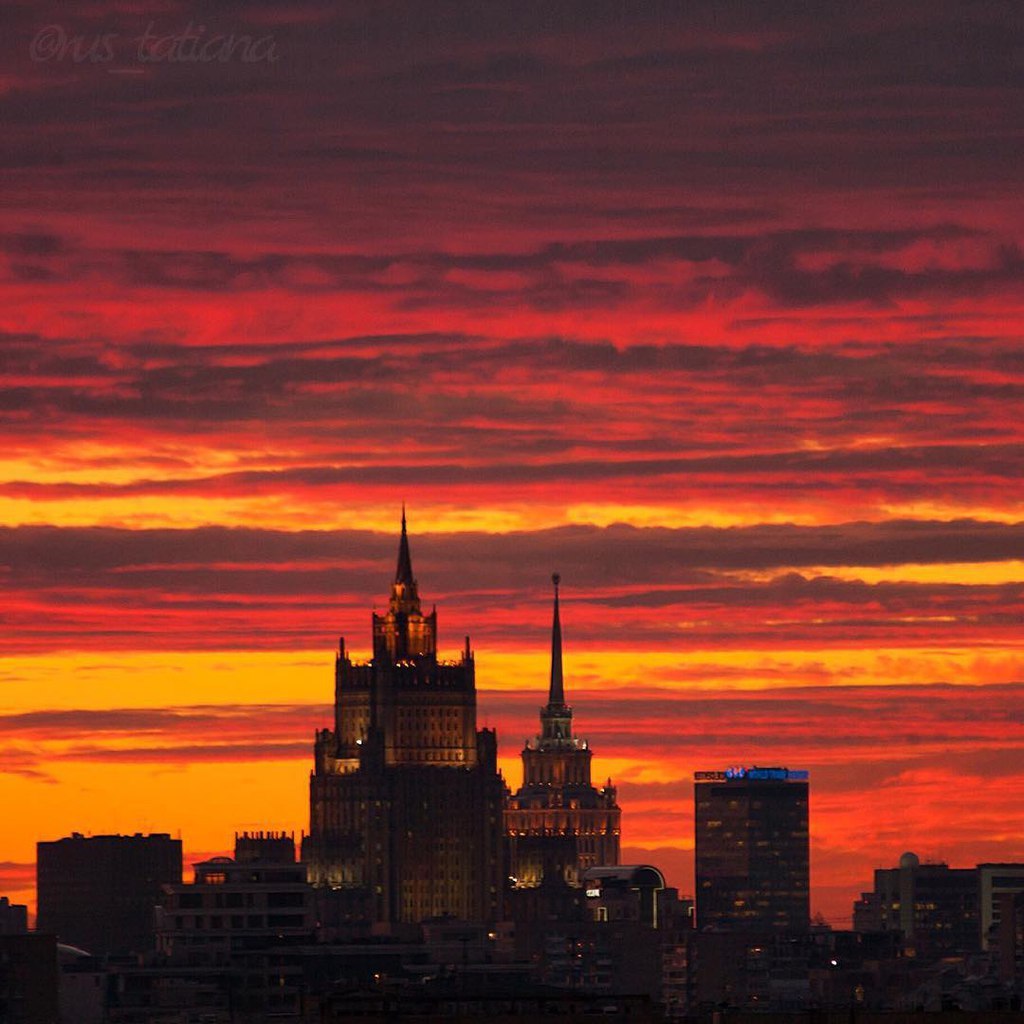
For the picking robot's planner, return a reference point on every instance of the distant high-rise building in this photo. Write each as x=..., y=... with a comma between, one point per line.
x=557, y=824
x=405, y=796
x=100, y=893
x=752, y=849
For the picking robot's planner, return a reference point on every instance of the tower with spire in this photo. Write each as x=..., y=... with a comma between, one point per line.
x=558, y=824
x=405, y=794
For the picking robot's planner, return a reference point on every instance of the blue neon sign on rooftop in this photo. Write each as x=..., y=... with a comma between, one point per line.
x=767, y=774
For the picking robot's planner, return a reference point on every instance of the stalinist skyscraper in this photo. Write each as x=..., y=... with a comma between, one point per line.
x=558, y=824
x=405, y=795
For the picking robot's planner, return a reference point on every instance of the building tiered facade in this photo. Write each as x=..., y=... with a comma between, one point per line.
x=405, y=795
x=558, y=824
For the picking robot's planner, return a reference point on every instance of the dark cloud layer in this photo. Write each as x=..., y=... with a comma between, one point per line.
x=630, y=554
x=769, y=262
x=917, y=720
x=209, y=586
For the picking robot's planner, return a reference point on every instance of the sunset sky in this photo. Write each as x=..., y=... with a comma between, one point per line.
x=712, y=307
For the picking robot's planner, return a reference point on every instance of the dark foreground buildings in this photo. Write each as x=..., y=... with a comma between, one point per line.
x=557, y=824
x=28, y=979
x=752, y=850
x=405, y=796
x=13, y=917
x=99, y=892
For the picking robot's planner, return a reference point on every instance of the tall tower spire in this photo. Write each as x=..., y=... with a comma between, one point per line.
x=556, y=691
x=403, y=574
x=556, y=716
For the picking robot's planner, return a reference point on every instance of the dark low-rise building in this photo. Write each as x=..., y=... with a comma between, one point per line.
x=13, y=917
x=100, y=892
x=235, y=927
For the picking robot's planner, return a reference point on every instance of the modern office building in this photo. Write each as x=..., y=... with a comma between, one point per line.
x=558, y=824
x=995, y=880
x=405, y=797
x=100, y=892
x=752, y=849
x=934, y=906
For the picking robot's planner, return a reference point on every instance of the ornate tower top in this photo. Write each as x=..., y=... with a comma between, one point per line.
x=404, y=633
